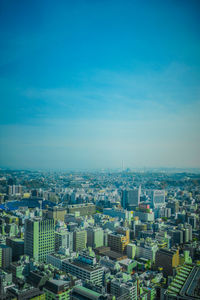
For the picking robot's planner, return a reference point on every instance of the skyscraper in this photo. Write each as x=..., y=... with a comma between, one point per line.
x=39, y=238
x=131, y=198
x=158, y=198
x=5, y=256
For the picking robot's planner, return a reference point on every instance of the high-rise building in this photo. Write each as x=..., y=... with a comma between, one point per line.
x=131, y=250
x=167, y=259
x=95, y=237
x=118, y=241
x=158, y=198
x=192, y=220
x=39, y=238
x=64, y=239
x=79, y=239
x=17, y=246
x=5, y=256
x=14, y=190
x=177, y=236
x=131, y=198
x=5, y=282
x=174, y=205
x=56, y=213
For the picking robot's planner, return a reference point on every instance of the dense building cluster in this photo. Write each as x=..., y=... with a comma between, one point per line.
x=101, y=235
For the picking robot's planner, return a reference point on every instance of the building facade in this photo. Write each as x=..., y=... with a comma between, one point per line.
x=39, y=238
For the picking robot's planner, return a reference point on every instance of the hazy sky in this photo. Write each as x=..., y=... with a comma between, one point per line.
x=87, y=84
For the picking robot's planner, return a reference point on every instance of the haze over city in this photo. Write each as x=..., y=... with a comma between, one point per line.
x=87, y=84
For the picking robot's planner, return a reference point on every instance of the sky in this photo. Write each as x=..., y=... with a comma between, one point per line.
x=88, y=84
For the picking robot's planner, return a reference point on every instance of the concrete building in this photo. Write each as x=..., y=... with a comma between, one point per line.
x=57, y=289
x=17, y=246
x=39, y=238
x=95, y=237
x=84, y=209
x=121, y=287
x=56, y=213
x=146, y=249
x=158, y=198
x=118, y=241
x=64, y=239
x=83, y=293
x=56, y=260
x=131, y=250
x=144, y=216
x=177, y=236
x=27, y=293
x=14, y=190
x=131, y=198
x=5, y=256
x=168, y=260
x=84, y=271
x=79, y=239
x=174, y=205
x=5, y=283
x=118, y=213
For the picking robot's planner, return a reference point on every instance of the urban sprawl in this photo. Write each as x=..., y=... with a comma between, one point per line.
x=99, y=235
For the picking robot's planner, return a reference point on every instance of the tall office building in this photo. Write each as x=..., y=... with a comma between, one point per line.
x=64, y=239
x=174, y=205
x=95, y=237
x=131, y=198
x=17, y=246
x=14, y=190
x=5, y=256
x=158, y=198
x=79, y=239
x=39, y=238
x=168, y=259
x=56, y=213
x=118, y=241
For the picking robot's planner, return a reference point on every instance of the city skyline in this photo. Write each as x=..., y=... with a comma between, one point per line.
x=88, y=85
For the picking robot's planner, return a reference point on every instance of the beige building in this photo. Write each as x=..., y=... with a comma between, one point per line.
x=119, y=241
x=79, y=240
x=56, y=213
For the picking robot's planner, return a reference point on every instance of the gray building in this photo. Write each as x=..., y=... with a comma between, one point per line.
x=158, y=198
x=5, y=256
x=95, y=237
x=92, y=273
x=64, y=239
x=131, y=198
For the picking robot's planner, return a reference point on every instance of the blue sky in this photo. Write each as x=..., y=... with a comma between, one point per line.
x=87, y=84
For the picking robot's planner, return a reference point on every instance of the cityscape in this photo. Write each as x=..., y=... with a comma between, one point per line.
x=100, y=150
x=99, y=235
